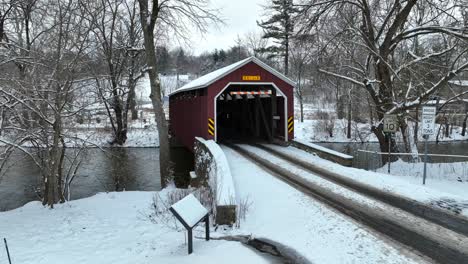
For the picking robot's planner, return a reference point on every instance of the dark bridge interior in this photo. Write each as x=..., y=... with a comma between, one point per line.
x=249, y=113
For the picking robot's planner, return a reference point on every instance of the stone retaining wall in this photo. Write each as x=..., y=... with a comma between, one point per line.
x=211, y=173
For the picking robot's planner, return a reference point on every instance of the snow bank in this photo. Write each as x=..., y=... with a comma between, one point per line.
x=323, y=149
x=447, y=177
x=454, y=171
x=404, y=186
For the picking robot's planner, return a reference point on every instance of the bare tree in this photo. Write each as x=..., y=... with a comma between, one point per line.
x=118, y=37
x=178, y=17
x=383, y=64
x=301, y=56
x=255, y=42
x=44, y=86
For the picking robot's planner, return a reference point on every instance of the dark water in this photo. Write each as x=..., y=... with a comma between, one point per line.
x=372, y=161
x=115, y=169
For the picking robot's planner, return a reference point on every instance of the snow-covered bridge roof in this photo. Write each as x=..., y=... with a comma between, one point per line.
x=211, y=77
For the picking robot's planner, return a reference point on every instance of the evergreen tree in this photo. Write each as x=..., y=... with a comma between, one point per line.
x=222, y=56
x=279, y=27
x=181, y=60
x=215, y=56
x=163, y=58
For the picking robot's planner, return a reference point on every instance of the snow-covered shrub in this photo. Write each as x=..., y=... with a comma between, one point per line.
x=325, y=123
x=330, y=126
x=325, y=126
x=242, y=209
x=162, y=201
x=79, y=119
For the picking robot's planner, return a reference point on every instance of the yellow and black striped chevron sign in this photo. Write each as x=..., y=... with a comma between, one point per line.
x=211, y=126
x=290, y=124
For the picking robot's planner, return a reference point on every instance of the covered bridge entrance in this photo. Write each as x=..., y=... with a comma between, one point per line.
x=247, y=100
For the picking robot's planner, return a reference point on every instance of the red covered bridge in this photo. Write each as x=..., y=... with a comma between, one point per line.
x=243, y=101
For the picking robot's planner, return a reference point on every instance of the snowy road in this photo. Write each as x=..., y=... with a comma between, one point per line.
x=433, y=240
x=281, y=213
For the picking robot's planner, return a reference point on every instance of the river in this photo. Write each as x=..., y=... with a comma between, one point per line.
x=137, y=169
x=114, y=169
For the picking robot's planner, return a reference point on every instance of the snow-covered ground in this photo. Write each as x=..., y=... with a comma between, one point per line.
x=320, y=119
x=452, y=172
x=117, y=228
x=169, y=83
x=436, y=189
x=136, y=137
x=108, y=228
x=316, y=131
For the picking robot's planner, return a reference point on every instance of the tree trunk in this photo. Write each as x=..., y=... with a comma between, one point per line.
x=155, y=96
x=131, y=98
x=447, y=127
x=384, y=144
x=51, y=192
x=60, y=184
x=120, y=132
x=464, y=125
x=416, y=127
x=120, y=135
x=408, y=139
x=2, y=117
x=301, y=105
x=348, y=133
x=371, y=110
x=286, y=54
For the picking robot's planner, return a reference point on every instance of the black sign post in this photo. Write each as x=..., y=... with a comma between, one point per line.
x=190, y=203
x=8, y=252
x=390, y=123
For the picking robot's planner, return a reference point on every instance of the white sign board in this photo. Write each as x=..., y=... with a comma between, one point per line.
x=428, y=120
x=390, y=123
x=190, y=210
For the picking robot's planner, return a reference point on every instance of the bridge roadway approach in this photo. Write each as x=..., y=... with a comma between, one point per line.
x=438, y=235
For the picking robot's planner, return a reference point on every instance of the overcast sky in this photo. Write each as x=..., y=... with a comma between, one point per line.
x=240, y=17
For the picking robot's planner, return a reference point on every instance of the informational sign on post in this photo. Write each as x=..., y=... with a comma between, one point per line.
x=189, y=211
x=428, y=128
x=390, y=124
x=428, y=120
